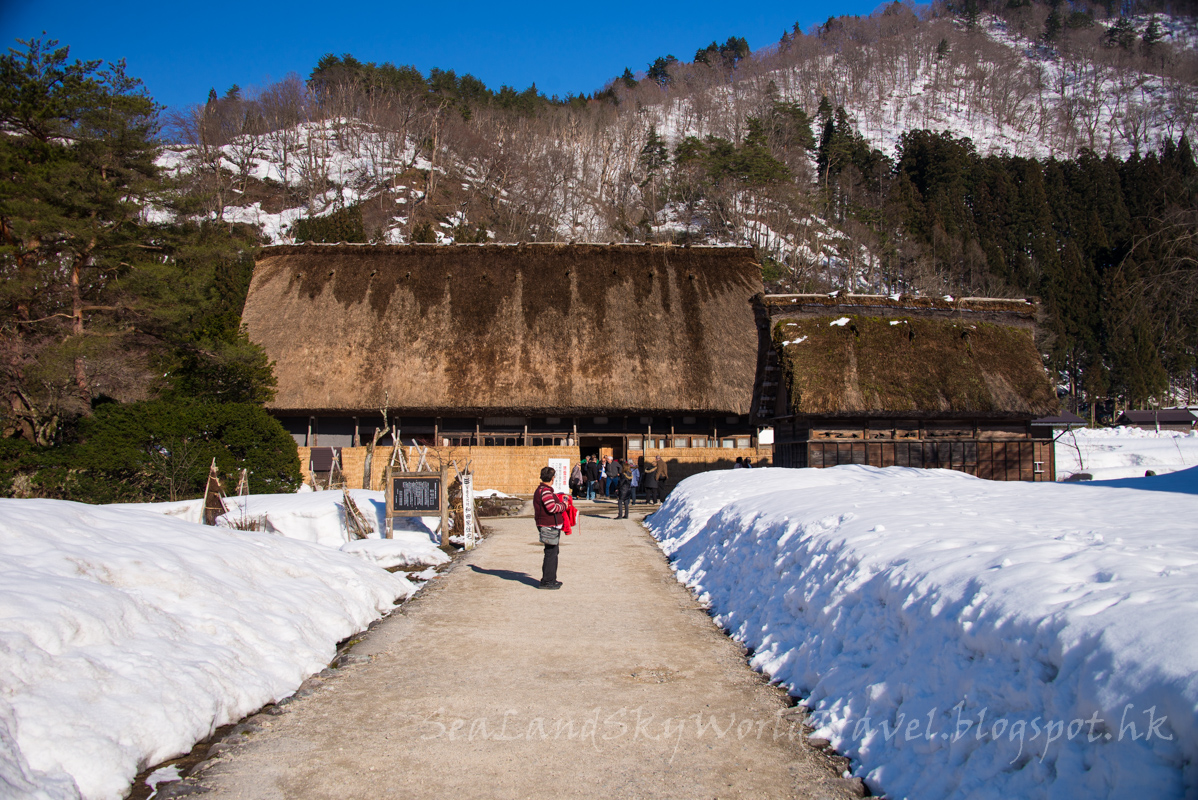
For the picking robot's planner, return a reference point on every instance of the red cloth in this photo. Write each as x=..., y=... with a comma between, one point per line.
x=569, y=516
x=548, y=508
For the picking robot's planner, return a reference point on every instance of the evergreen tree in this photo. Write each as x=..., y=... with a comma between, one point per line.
x=78, y=164
x=659, y=70
x=1121, y=34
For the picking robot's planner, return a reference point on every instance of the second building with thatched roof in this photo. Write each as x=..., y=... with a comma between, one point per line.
x=919, y=382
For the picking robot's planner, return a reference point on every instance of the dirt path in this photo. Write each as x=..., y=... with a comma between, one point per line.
x=616, y=685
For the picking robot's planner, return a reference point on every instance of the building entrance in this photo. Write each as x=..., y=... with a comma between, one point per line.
x=614, y=446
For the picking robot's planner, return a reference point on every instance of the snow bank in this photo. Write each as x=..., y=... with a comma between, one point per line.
x=1110, y=453
x=317, y=517
x=126, y=636
x=958, y=637
x=407, y=549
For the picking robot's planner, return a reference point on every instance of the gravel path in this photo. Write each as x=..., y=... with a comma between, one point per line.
x=618, y=685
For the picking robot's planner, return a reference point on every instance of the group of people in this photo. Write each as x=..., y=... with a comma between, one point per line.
x=743, y=462
x=622, y=480
x=608, y=476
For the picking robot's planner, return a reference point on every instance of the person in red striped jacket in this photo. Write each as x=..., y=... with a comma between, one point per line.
x=548, y=509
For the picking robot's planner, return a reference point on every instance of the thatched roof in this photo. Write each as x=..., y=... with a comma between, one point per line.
x=911, y=366
x=1016, y=312
x=465, y=329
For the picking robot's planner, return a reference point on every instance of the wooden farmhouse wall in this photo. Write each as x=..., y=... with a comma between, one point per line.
x=515, y=470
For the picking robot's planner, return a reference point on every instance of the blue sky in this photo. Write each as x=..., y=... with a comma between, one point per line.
x=181, y=50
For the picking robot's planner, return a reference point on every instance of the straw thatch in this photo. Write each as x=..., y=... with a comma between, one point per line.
x=473, y=329
x=1016, y=312
x=915, y=366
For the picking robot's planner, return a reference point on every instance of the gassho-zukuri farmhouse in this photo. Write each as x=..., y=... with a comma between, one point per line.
x=509, y=355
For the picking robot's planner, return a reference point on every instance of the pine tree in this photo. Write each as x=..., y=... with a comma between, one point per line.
x=78, y=162
x=659, y=70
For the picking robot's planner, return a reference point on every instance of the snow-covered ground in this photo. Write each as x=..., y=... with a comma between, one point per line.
x=959, y=637
x=127, y=634
x=1109, y=453
x=319, y=517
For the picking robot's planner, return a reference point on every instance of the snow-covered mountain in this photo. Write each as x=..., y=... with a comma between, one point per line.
x=428, y=171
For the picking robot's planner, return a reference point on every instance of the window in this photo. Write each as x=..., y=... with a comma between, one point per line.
x=728, y=443
x=681, y=441
x=503, y=422
x=743, y=441
x=634, y=444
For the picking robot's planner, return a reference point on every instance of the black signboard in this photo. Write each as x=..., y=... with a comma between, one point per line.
x=415, y=494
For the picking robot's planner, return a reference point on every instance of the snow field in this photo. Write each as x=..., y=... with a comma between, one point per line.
x=958, y=637
x=1110, y=453
x=319, y=517
x=127, y=635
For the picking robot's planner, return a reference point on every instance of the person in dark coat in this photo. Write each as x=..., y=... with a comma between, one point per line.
x=613, y=477
x=649, y=481
x=592, y=477
x=663, y=475
x=624, y=490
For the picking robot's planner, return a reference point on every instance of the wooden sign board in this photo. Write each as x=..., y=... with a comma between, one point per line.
x=414, y=494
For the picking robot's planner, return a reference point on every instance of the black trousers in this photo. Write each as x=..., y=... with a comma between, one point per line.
x=650, y=494
x=549, y=564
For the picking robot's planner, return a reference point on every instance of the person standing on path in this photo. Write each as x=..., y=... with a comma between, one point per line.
x=547, y=509
x=576, y=480
x=613, y=477
x=592, y=477
x=624, y=490
x=649, y=481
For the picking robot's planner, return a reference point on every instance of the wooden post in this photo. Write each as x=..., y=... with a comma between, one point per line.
x=389, y=498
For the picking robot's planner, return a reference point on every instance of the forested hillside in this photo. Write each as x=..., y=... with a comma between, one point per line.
x=990, y=147
x=983, y=148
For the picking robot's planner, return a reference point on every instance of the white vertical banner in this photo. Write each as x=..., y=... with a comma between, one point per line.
x=561, y=478
x=468, y=510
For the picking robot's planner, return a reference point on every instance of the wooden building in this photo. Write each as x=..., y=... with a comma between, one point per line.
x=510, y=354
x=1164, y=419
x=916, y=382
